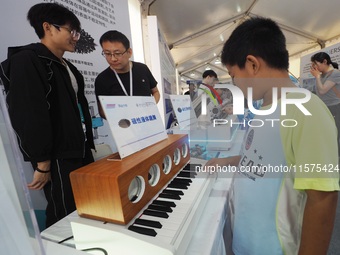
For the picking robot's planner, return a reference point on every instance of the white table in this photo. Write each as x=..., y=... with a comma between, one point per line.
x=208, y=236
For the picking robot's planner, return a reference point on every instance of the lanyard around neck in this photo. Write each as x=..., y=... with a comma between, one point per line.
x=121, y=83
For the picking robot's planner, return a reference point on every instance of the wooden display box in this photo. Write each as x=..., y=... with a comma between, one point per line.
x=115, y=191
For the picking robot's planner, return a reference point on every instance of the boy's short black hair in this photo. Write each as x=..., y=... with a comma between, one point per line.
x=260, y=37
x=209, y=73
x=115, y=36
x=52, y=13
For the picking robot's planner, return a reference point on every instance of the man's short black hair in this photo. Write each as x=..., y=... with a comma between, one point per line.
x=260, y=37
x=209, y=73
x=115, y=36
x=52, y=13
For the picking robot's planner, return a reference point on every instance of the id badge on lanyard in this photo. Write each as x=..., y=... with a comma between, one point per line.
x=121, y=83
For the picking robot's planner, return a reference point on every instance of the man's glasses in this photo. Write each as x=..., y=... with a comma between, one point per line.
x=74, y=33
x=115, y=55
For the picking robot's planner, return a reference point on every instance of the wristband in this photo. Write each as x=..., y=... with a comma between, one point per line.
x=42, y=171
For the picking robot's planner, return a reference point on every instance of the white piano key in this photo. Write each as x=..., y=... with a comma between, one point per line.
x=177, y=230
x=162, y=234
x=172, y=225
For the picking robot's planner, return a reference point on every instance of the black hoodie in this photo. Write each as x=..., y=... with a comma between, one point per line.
x=42, y=104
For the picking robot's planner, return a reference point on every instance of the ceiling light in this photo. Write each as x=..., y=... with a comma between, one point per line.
x=238, y=8
x=208, y=68
x=192, y=74
x=217, y=61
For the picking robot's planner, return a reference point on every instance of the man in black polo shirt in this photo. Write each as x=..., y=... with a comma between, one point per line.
x=122, y=77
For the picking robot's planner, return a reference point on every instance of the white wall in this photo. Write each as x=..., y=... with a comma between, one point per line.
x=136, y=31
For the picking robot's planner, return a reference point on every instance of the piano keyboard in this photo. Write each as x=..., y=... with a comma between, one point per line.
x=164, y=226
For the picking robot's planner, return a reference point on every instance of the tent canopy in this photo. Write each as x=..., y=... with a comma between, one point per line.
x=196, y=29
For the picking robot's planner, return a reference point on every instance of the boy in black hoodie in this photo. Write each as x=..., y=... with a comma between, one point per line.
x=45, y=93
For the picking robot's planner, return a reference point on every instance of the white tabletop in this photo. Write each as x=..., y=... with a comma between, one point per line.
x=208, y=236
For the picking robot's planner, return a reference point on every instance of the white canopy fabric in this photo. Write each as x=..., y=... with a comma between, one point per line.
x=197, y=29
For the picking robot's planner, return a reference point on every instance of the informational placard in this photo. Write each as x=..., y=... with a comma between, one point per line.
x=135, y=122
x=184, y=111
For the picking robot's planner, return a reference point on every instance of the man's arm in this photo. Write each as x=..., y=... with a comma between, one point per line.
x=155, y=93
x=28, y=106
x=318, y=222
x=40, y=178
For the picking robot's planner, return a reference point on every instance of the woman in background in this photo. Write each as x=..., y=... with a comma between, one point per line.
x=327, y=85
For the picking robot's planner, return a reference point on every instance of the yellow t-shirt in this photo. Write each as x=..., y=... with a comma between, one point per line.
x=311, y=146
x=267, y=207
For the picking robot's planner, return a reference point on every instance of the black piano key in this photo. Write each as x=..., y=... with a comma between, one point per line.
x=192, y=167
x=192, y=171
x=160, y=208
x=185, y=174
x=186, y=167
x=189, y=174
x=177, y=185
x=148, y=223
x=156, y=213
x=164, y=203
x=182, y=180
x=142, y=230
x=171, y=191
x=170, y=196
